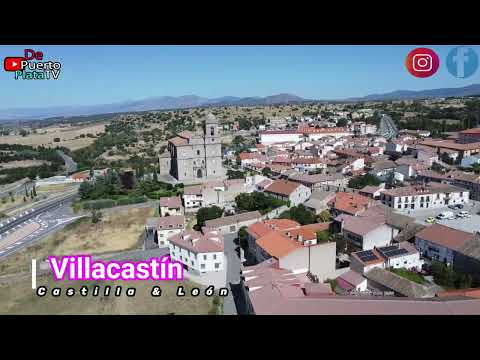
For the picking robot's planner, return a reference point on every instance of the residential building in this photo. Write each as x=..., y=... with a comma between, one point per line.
x=277, y=136
x=385, y=280
x=192, y=197
x=383, y=169
x=293, y=192
x=318, y=201
x=317, y=181
x=199, y=252
x=231, y=224
x=469, y=161
x=296, y=249
x=351, y=282
x=366, y=260
x=350, y=203
x=160, y=229
x=456, y=248
x=170, y=206
x=432, y=195
x=401, y=255
x=373, y=192
x=469, y=136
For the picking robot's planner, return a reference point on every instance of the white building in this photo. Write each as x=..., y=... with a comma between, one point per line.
x=193, y=197
x=432, y=195
x=272, y=137
x=313, y=134
x=159, y=229
x=402, y=255
x=291, y=191
x=170, y=206
x=198, y=252
x=469, y=161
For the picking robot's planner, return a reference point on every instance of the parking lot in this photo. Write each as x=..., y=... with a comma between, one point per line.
x=470, y=224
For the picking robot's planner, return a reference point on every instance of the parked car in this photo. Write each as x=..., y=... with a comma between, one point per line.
x=463, y=214
x=446, y=215
x=430, y=220
x=453, y=207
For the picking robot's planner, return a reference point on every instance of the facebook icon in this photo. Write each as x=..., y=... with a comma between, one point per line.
x=462, y=62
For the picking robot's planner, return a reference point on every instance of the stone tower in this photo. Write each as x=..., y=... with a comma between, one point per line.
x=213, y=147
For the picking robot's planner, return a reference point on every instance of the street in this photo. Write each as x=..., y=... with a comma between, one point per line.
x=471, y=224
x=33, y=229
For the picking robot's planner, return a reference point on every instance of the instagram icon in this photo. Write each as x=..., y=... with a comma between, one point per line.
x=422, y=62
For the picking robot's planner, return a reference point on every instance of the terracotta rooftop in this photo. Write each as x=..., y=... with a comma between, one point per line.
x=260, y=229
x=234, y=219
x=445, y=236
x=350, y=203
x=193, y=190
x=449, y=144
x=431, y=188
x=167, y=222
x=171, y=202
x=282, y=187
x=178, y=141
x=197, y=242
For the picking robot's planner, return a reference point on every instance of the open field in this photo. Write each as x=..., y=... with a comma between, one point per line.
x=69, y=136
x=116, y=232
x=22, y=164
x=17, y=297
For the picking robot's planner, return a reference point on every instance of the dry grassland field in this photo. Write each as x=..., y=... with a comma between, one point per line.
x=18, y=298
x=117, y=231
x=22, y=163
x=69, y=136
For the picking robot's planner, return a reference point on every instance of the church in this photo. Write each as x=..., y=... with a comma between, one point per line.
x=194, y=156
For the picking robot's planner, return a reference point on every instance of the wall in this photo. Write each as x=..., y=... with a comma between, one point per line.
x=434, y=251
x=322, y=260
x=194, y=261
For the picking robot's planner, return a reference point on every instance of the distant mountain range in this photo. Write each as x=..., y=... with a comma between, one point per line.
x=153, y=103
x=190, y=101
x=469, y=90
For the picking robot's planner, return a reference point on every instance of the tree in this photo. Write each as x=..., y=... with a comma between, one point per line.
x=299, y=214
x=325, y=216
x=266, y=171
x=34, y=190
x=342, y=122
x=359, y=182
x=235, y=174
x=96, y=216
x=323, y=236
x=242, y=237
x=208, y=213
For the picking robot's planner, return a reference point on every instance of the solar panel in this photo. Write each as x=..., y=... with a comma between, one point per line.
x=388, y=248
x=366, y=255
x=396, y=252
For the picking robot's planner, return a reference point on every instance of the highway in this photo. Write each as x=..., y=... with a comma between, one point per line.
x=10, y=223
x=70, y=165
x=387, y=127
x=35, y=226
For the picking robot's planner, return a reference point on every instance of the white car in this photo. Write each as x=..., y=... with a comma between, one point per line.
x=463, y=214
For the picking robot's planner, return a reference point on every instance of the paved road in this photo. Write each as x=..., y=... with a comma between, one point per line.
x=10, y=223
x=34, y=229
x=18, y=189
x=233, y=272
x=70, y=165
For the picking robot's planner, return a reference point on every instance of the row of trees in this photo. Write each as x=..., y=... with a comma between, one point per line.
x=257, y=201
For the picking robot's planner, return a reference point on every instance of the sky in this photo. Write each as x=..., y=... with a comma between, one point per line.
x=107, y=74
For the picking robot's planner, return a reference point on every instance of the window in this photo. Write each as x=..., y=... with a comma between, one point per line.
x=198, y=152
x=214, y=256
x=193, y=263
x=202, y=266
x=212, y=131
x=232, y=228
x=204, y=257
x=217, y=265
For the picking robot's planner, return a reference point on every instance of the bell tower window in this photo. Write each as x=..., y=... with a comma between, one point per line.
x=212, y=131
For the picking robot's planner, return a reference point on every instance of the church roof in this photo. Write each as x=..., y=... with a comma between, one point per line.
x=210, y=118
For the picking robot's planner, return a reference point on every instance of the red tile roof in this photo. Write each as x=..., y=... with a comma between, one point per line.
x=445, y=236
x=195, y=241
x=282, y=187
x=350, y=203
x=171, y=202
